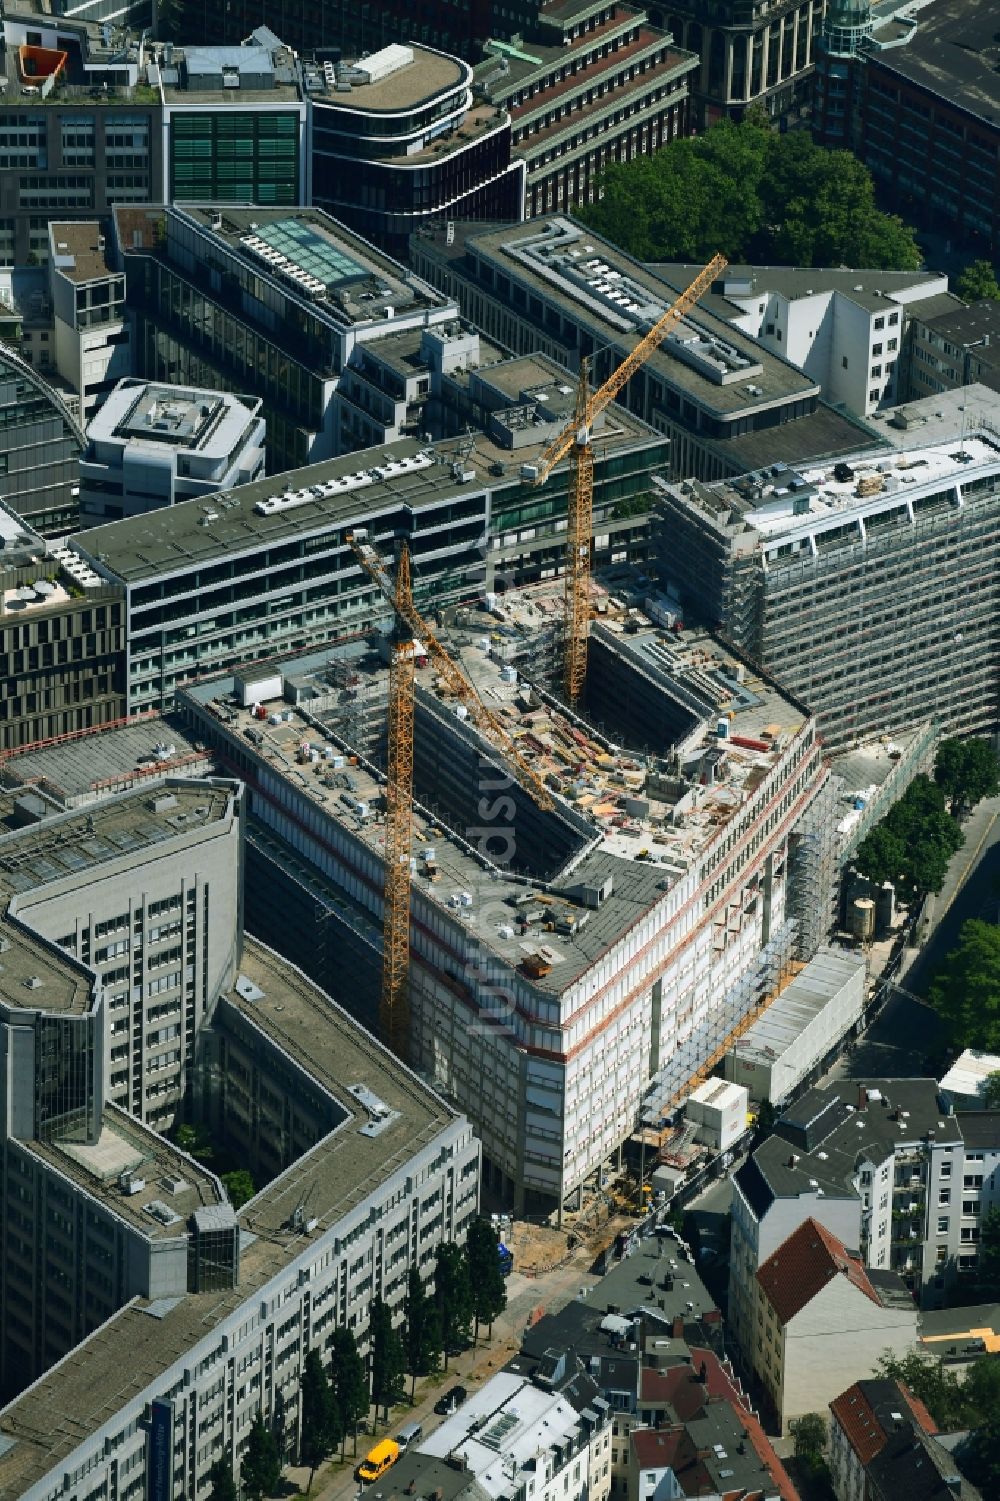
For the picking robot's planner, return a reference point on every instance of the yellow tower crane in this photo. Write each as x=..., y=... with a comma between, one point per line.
x=411, y=628
x=575, y=439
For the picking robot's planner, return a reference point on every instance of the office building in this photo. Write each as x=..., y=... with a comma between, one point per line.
x=397, y=140
x=273, y=303
x=233, y=122
x=845, y=329
x=823, y=1318
x=152, y=446
x=91, y=345
x=726, y=403
x=586, y=89
x=555, y=1014
x=370, y=1172
x=863, y=1419
x=921, y=110
x=866, y=585
x=266, y=570
x=748, y=54
x=40, y=448
x=886, y=1169
x=69, y=772
x=62, y=641
x=91, y=141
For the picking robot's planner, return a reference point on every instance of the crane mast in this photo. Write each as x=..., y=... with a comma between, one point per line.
x=575, y=441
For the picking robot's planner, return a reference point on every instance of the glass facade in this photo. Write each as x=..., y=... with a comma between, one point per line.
x=67, y=1099
x=235, y=157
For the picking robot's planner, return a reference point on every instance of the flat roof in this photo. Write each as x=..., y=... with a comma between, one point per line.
x=149, y=414
x=407, y=84
x=951, y=52
x=739, y=284
x=81, y=768
x=174, y=1184
x=133, y=1349
x=175, y=538
x=940, y=418
x=80, y=251
x=36, y=976
x=969, y=1072
x=826, y=975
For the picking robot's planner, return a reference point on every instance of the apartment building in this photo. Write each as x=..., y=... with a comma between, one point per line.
x=397, y=139
x=863, y=1419
x=661, y=937
x=726, y=403
x=586, y=86
x=62, y=641
x=747, y=53
x=377, y=1172
x=821, y=1318
x=151, y=446
x=266, y=569
x=866, y=585
x=950, y=348
x=886, y=1168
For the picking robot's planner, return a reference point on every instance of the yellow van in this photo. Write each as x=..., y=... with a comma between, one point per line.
x=378, y=1460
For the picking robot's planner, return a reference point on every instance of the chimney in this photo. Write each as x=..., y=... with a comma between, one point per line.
x=678, y=1327
x=862, y=1097
x=702, y=1376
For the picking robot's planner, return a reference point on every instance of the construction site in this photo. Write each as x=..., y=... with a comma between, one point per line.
x=574, y=968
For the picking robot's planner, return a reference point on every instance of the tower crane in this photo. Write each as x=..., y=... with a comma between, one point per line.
x=410, y=628
x=575, y=439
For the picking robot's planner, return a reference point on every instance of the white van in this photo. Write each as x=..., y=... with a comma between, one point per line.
x=411, y=1434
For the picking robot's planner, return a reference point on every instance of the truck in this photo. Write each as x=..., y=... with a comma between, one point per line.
x=505, y=1257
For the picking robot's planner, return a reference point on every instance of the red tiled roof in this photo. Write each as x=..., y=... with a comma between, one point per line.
x=804, y=1264
x=765, y=1453
x=860, y=1422
x=655, y=1448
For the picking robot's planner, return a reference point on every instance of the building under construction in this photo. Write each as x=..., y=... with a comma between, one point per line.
x=572, y=969
x=867, y=586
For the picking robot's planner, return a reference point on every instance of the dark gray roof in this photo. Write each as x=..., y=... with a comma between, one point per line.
x=952, y=53
x=915, y=1466
x=980, y=1129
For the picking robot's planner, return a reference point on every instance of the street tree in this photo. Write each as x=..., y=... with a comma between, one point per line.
x=966, y=989
x=221, y=1476
x=489, y=1286
x=349, y=1384
x=321, y=1432
x=388, y=1361
x=912, y=845
x=260, y=1472
x=453, y=1292
x=978, y=282
x=423, y=1331
x=967, y=770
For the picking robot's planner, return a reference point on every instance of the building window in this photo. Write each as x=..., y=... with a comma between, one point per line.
x=844, y=362
x=942, y=1228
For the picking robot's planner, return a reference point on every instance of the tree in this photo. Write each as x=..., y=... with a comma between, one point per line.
x=423, y=1332
x=989, y=1248
x=349, y=1384
x=195, y=1141
x=221, y=1476
x=967, y=770
x=767, y=1118
x=239, y=1186
x=320, y=1417
x=489, y=1286
x=260, y=1471
x=388, y=1361
x=453, y=1291
x=753, y=194
x=912, y=845
x=809, y=1435
x=990, y=1092
x=966, y=989
x=977, y=282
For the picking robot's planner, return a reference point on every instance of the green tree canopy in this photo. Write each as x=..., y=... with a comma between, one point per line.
x=967, y=770
x=453, y=1291
x=489, y=1286
x=913, y=843
x=756, y=196
x=349, y=1384
x=989, y=1253
x=260, y=1471
x=321, y=1431
x=221, y=1476
x=977, y=282
x=937, y=1387
x=388, y=1360
x=966, y=989
x=423, y=1331
x=239, y=1186
x=990, y=1092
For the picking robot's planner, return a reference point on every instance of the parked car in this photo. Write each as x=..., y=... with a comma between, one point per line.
x=451, y=1400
